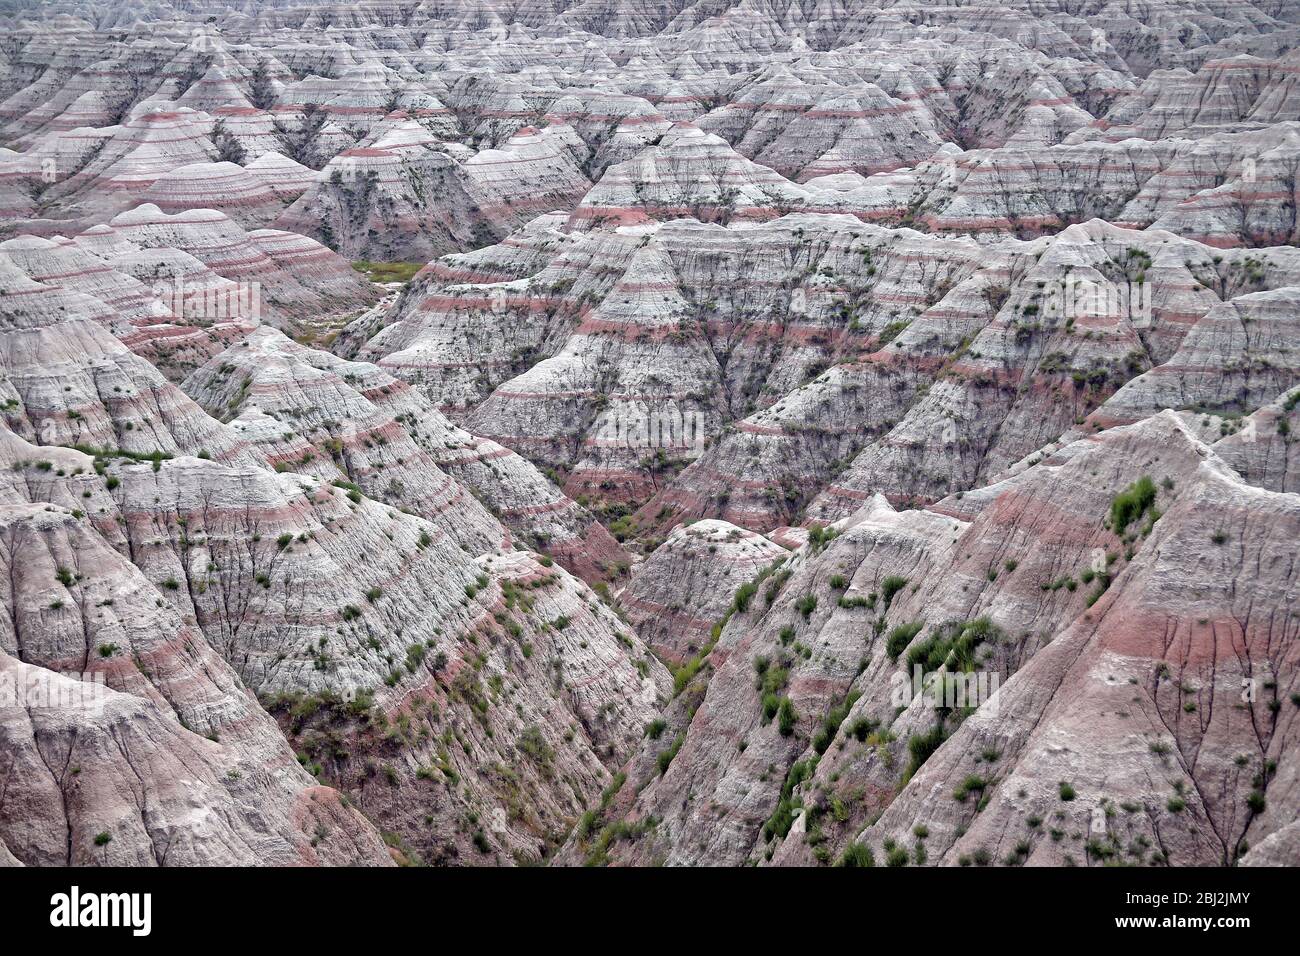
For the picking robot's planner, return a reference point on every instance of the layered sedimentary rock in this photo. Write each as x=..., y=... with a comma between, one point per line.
x=119, y=721
x=1262, y=447
x=350, y=422
x=1187, y=756
x=328, y=603
x=1227, y=189
x=246, y=199
x=1232, y=92
x=810, y=680
x=688, y=173
x=218, y=539
x=1008, y=346
x=731, y=375
x=177, y=288
x=684, y=588
x=72, y=383
x=405, y=196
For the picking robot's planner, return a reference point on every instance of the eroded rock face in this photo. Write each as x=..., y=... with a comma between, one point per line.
x=1185, y=756
x=351, y=423
x=1261, y=447
x=725, y=370
x=327, y=620
x=176, y=288
x=348, y=623
x=404, y=197
x=990, y=583
x=684, y=588
x=113, y=704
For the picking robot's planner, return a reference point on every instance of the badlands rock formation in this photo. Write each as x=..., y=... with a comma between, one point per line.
x=630, y=433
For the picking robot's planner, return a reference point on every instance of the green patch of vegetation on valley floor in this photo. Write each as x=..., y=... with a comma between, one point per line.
x=388, y=271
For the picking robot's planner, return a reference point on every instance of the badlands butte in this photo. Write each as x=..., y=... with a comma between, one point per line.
x=699, y=432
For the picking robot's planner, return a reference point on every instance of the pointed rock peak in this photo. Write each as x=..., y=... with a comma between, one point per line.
x=877, y=506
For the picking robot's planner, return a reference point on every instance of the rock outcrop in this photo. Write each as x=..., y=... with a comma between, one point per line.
x=481, y=433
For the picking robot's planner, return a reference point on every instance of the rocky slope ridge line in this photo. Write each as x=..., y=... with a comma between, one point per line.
x=1081, y=584
x=402, y=653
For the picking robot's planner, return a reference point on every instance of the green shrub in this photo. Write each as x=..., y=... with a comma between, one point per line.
x=666, y=758
x=888, y=588
x=744, y=594
x=532, y=744
x=820, y=536
x=921, y=746
x=856, y=854
x=972, y=783
x=952, y=646
x=900, y=637
x=1131, y=503
x=782, y=818
x=786, y=717
x=806, y=605
x=831, y=725
x=861, y=728
x=772, y=680
x=686, y=673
